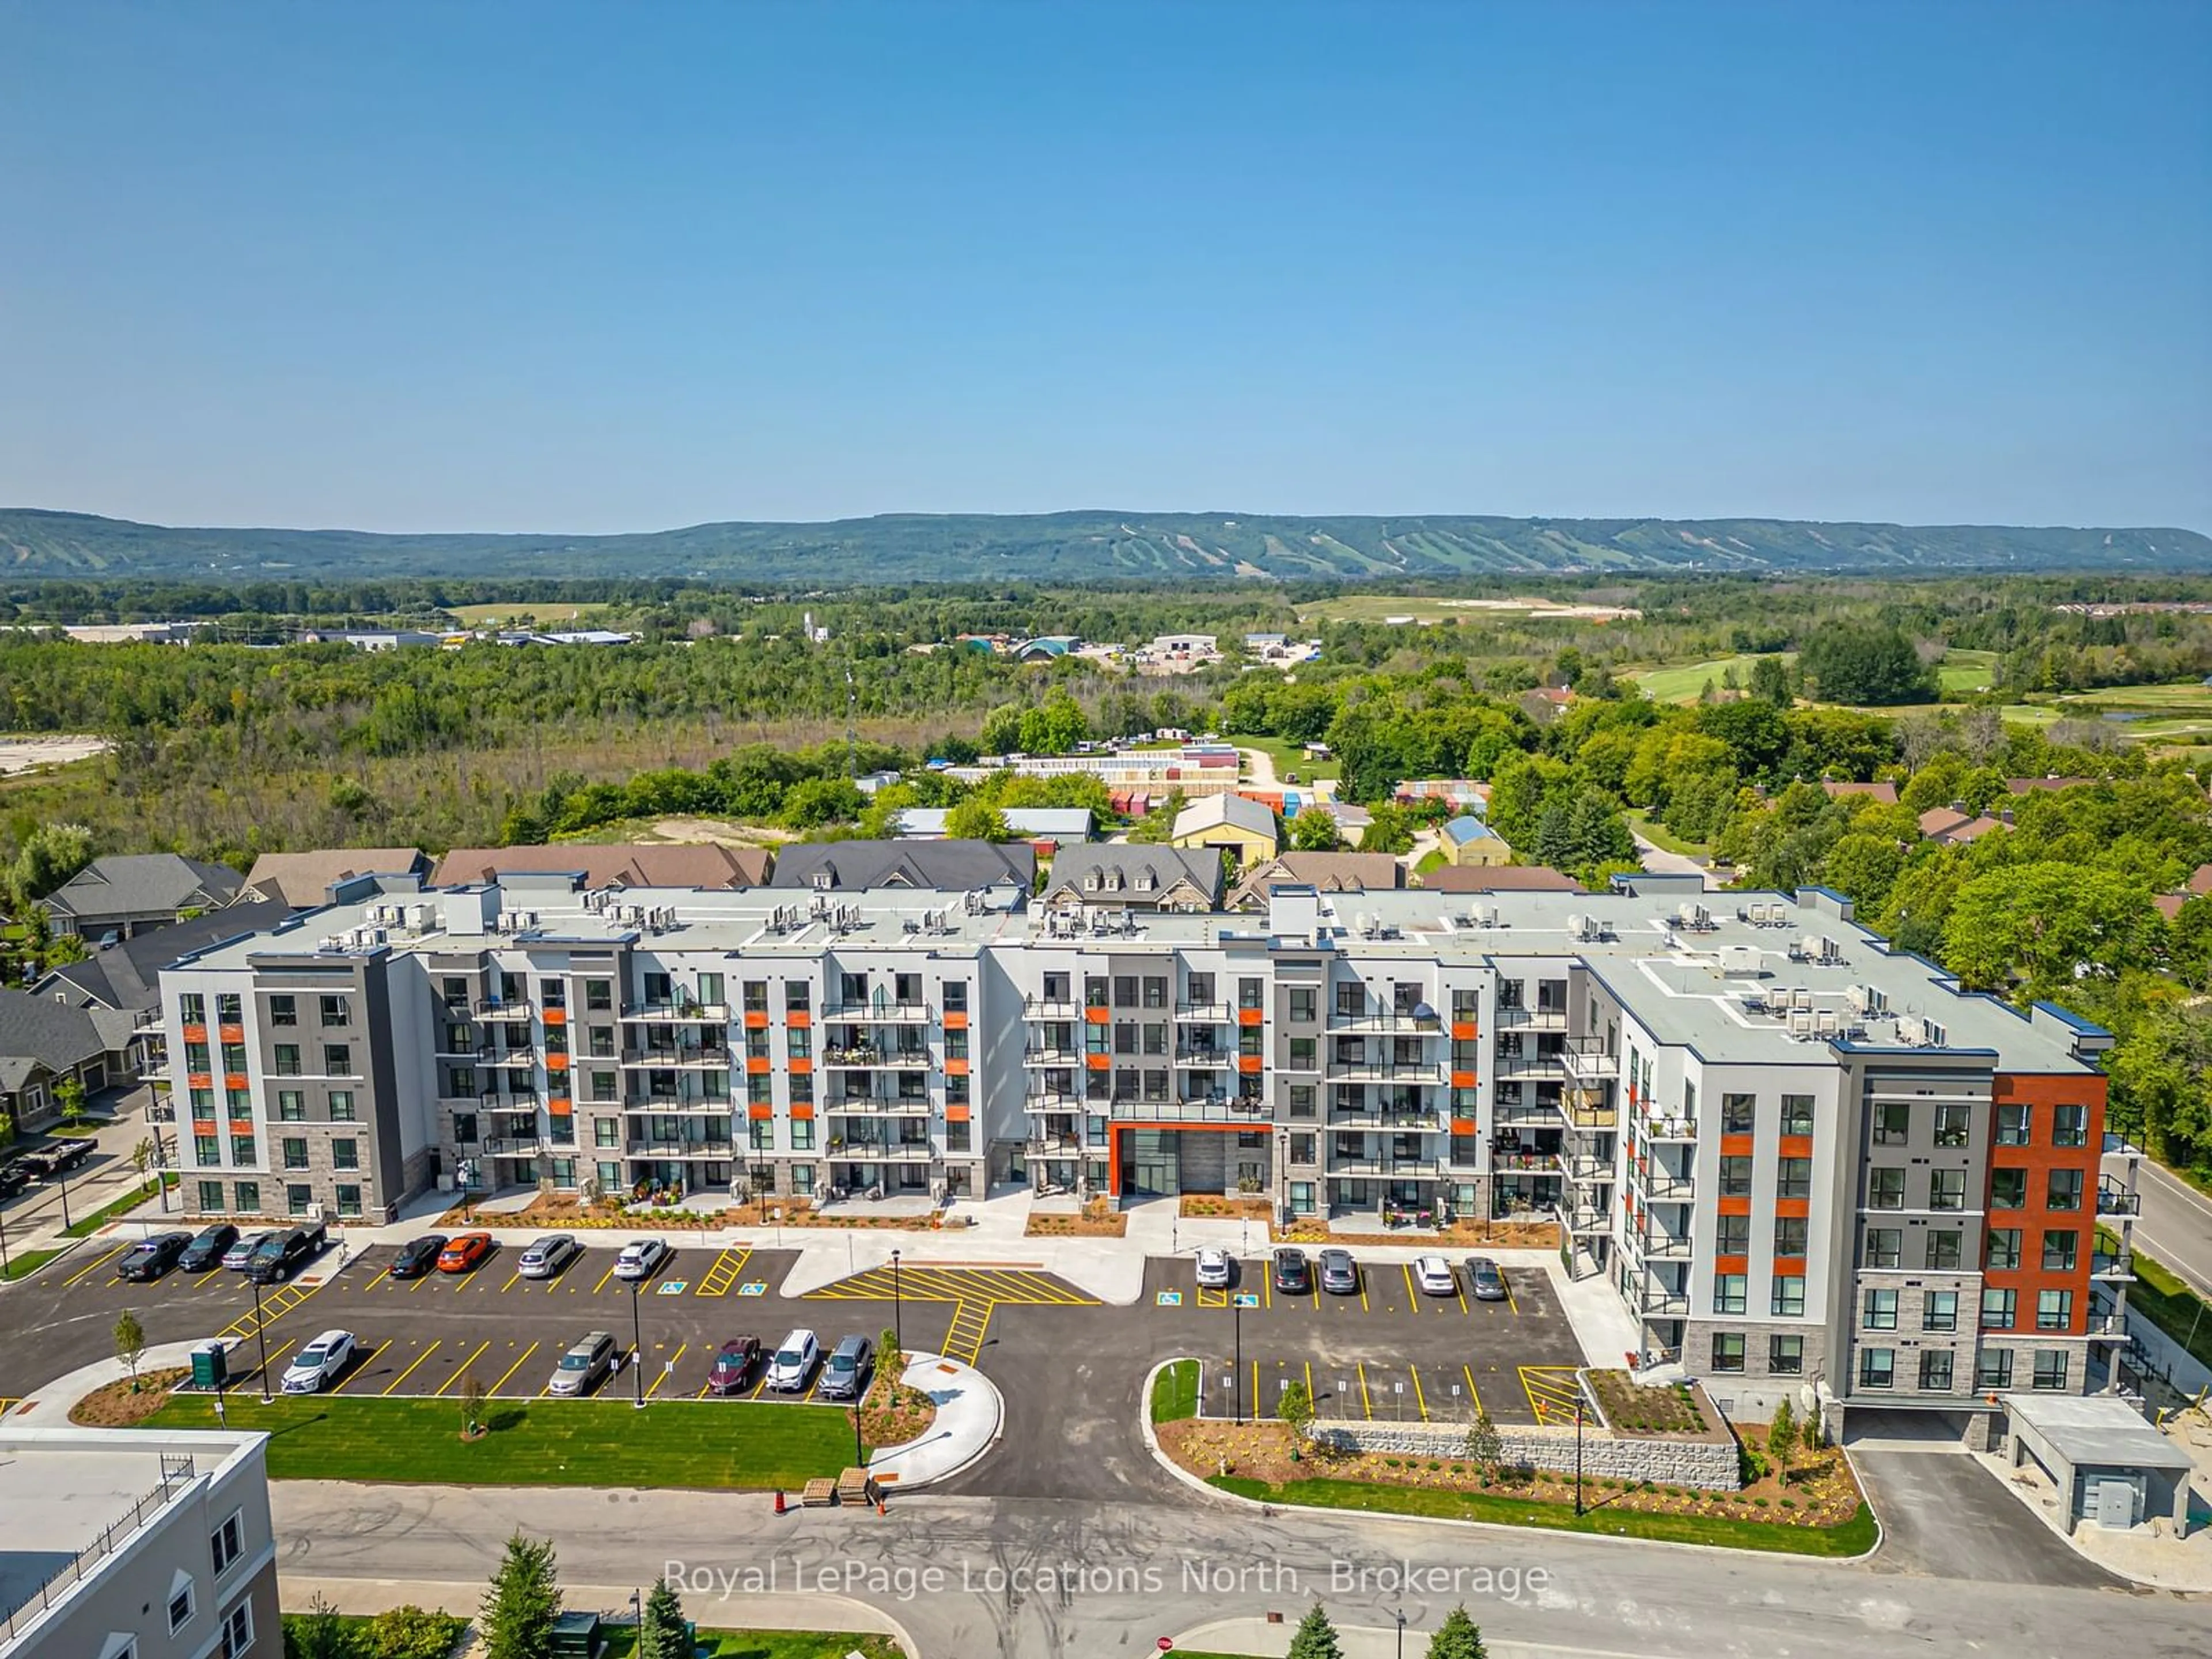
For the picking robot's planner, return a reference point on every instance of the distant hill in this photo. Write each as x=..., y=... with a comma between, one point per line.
x=1071, y=546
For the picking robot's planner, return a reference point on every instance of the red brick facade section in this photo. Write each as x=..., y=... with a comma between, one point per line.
x=2043, y=1093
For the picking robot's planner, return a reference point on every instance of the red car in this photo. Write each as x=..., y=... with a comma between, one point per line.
x=733, y=1365
x=463, y=1251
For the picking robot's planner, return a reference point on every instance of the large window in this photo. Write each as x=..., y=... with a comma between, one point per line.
x=2070, y=1126
x=1947, y=1189
x=1787, y=1297
x=2061, y=1249
x=227, y=1542
x=1935, y=1370
x=1885, y=1246
x=1789, y=1236
x=1885, y=1188
x=1738, y=1114
x=2050, y=1370
x=2008, y=1189
x=1993, y=1370
x=2064, y=1190
x=1795, y=1179
x=1730, y=1292
x=1877, y=1367
x=2013, y=1123
x=1881, y=1310
x=2004, y=1250
x=1732, y=1235
x=1728, y=1351
x=1945, y=1248
x=1735, y=1177
x=2054, y=1311
x=2000, y=1309
x=1796, y=1114
x=1951, y=1123
x=1939, y=1311
x=1785, y=1356
x=1892, y=1123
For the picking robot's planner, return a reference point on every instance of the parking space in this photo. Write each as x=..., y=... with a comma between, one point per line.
x=1388, y=1351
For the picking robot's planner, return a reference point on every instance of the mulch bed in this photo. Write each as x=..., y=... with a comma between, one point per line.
x=1460, y=1235
x=1630, y=1409
x=1821, y=1493
x=1092, y=1224
x=1206, y=1207
x=894, y=1414
x=116, y=1407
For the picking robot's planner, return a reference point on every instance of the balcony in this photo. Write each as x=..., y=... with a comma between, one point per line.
x=1588, y=1061
x=1386, y=1021
x=1204, y=1057
x=2112, y=1327
x=1404, y=1168
x=2108, y=1267
x=1670, y=1304
x=1536, y=1112
x=2113, y=1199
x=1665, y=1247
x=1056, y=1146
x=879, y=1105
x=1583, y=1219
x=1058, y=1009
x=864, y=1058
x=1506, y=1162
x=1047, y=1054
x=1382, y=1118
x=1586, y=1108
x=878, y=1013
x=1528, y=1065
x=682, y=1054
x=516, y=1145
x=1589, y=1171
x=880, y=1151
x=1415, y=1073
x=667, y=1100
x=1663, y=1187
x=1205, y=1013
x=715, y=1013
x=1677, y=1130
x=500, y=1008
x=1532, y=1019
x=1192, y=1109
x=1053, y=1100
x=711, y=1149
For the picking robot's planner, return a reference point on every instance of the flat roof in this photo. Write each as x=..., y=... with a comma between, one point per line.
x=2100, y=1429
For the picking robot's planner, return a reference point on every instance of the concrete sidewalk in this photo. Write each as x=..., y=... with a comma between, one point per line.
x=969, y=1413
x=1258, y=1639
x=779, y=1610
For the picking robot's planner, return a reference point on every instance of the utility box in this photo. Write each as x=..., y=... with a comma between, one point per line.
x=210, y=1366
x=575, y=1636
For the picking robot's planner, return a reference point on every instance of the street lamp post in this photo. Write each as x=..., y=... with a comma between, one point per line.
x=898, y=1317
x=66, y=1214
x=261, y=1336
x=4, y=1274
x=1578, y=1457
x=1238, y=1369
x=637, y=1345
x=1401, y=1617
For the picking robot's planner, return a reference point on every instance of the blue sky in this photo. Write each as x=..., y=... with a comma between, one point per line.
x=608, y=267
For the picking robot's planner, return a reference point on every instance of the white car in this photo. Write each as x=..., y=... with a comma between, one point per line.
x=1435, y=1277
x=1215, y=1269
x=318, y=1365
x=791, y=1366
x=641, y=1259
x=546, y=1256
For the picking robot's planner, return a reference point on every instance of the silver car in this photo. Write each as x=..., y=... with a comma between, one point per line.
x=585, y=1366
x=546, y=1256
x=1339, y=1273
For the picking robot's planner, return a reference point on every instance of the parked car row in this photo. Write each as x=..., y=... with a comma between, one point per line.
x=1291, y=1273
x=267, y=1257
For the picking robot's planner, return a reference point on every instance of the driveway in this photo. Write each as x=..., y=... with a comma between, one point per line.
x=1944, y=1516
x=1661, y=862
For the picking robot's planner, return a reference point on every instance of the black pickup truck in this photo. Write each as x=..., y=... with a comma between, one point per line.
x=282, y=1254
x=59, y=1159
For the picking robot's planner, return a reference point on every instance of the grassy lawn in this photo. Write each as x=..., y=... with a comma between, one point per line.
x=622, y=1642
x=2170, y=1304
x=576, y=616
x=1290, y=758
x=1855, y=1537
x=1428, y=861
x=1659, y=836
x=1175, y=1392
x=21, y=1264
x=539, y=1442
x=1965, y=671
x=1682, y=682
x=86, y=1226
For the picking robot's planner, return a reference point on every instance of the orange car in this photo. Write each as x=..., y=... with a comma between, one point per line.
x=462, y=1251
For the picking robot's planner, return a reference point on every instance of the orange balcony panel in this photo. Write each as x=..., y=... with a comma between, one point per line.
x=241, y=1126
x=1734, y=1205
x=1251, y=1065
x=758, y=1110
x=757, y=1065
x=1787, y=1266
x=560, y=1106
x=557, y=1062
x=1464, y=1030
x=802, y=1066
x=802, y=1111
x=1251, y=1016
x=755, y=1019
x=1462, y=1126
x=1736, y=1145
x=1796, y=1145
x=1099, y=1062
x=195, y=1034
x=956, y=1068
x=1463, y=1080
x=799, y=1019
x=232, y=1033
x=199, y=1080
x=958, y=1114
x=1731, y=1264
x=1795, y=1208
x=955, y=1020
x=236, y=1080
x=1098, y=1016
x=556, y=1017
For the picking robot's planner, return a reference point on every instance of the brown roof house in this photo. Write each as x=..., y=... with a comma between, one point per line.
x=657, y=864
x=1326, y=872
x=1499, y=878
x=1949, y=825
x=304, y=880
x=1884, y=793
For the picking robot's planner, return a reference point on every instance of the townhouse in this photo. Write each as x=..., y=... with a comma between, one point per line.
x=1795, y=1155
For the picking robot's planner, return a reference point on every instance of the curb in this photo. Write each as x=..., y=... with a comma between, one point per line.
x=62, y=1252
x=990, y=1445
x=1269, y=1509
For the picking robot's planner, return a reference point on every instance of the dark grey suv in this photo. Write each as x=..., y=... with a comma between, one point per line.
x=846, y=1375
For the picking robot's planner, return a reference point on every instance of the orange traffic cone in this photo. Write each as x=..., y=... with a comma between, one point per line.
x=779, y=1500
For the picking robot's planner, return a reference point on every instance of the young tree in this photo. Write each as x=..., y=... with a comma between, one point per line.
x=974, y=819
x=1457, y=1638
x=1296, y=1408
x=1484, y=1446
x=472, y=1399
x=521, y=1602
x=1315, y=1638
x=1782, y=1437
x=69, y=1095
x=662, y=1635
x=1314, y=830
x=1156, y=825
x=319, y=1633
x=130, y=1343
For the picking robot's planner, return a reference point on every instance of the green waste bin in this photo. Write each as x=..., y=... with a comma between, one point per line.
x=575, y=1636
x=210, y=1369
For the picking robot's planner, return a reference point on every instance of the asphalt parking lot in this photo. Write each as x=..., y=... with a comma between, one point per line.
x=1389, y=1352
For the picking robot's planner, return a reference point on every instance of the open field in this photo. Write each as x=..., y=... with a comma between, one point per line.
x=24, y=754
x=534, y=616
x=1429, y=609
x=1290, y=758
x=1682, y=682
x=1967, y=671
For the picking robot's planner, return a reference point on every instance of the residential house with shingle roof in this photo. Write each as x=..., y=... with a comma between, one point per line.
x=1122, y=876
x=646, y=864
x=303, y=880
x=1325, y=872
x=943, y=866
x=124, y=893
x=1884, y=792
x=44, y=1041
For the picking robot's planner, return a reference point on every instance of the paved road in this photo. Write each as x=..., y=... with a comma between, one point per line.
x=2176, y=1225
x=1661, y=862
x=1135, y=1571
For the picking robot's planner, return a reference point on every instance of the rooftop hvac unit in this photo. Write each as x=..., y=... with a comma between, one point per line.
x=1912, y=1030
x=1483, y=916
x=421, y=918
x=1866, y=1000
x=530, y=918
x=1937, y=1034
x=1801, y=1000
x=1801, y=1025
x=1739, y=959
x=1826, y=1022
x=1578, y=928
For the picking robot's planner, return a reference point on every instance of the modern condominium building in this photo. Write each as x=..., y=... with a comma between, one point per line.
x=1796, y=1154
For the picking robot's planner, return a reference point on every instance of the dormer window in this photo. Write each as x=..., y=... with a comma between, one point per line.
x=821, y=881
x=1090, y=882
x=1144, y=882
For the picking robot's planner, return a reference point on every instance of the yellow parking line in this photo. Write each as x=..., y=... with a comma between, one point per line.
x=1266, y=1289
x=1460, y=1290
x=1412, y=1299
x=362, y=1355
x=511, y=1370
x=462, y=1370
x=511, y=1279
x=1310, y=1393
x=1367, y=1404
x=1257, y=1400
x=1472, y=1393
x=410, y=1371
x=1419, y=1399
x=1508, y=1283
x=674, y=1359
x=1361, y=1271
x=95, y=1267
x=604, y=1277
